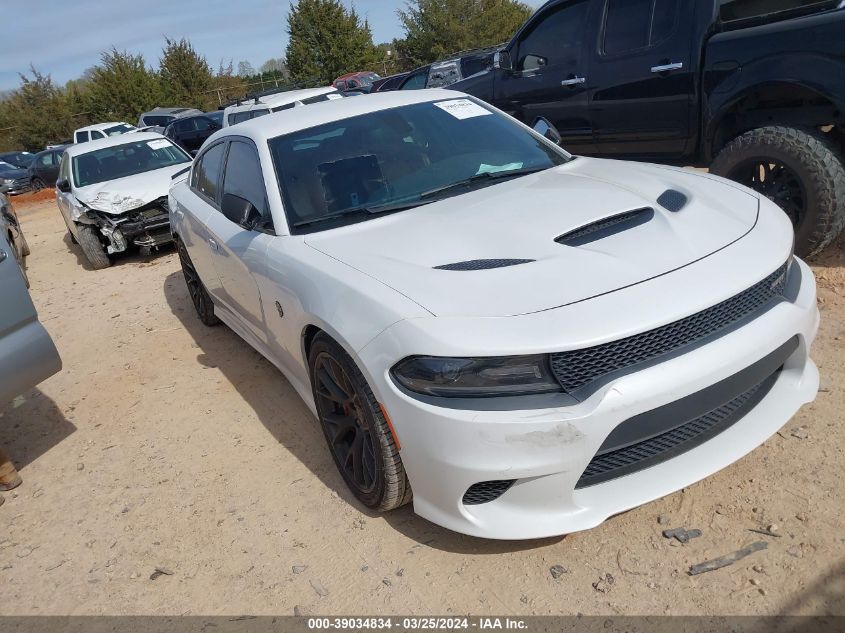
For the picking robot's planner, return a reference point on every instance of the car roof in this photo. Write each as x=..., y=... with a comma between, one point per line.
x=121, y=139
x=282, y=98
x=160, y=110
x=276, y=124
x=102, y=126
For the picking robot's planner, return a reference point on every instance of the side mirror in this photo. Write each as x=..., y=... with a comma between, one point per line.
x=544, y=127
x=63, y=186
x=502, y=61
x=240, y=211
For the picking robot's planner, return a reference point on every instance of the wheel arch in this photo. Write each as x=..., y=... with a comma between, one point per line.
x=798, y=104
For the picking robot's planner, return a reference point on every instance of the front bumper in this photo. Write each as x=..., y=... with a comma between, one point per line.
x=15, y=188
x=546, y=450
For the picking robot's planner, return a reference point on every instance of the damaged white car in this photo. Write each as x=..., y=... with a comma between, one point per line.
x=112, y=193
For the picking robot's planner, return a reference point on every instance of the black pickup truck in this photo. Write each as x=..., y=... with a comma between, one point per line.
x=752, y=89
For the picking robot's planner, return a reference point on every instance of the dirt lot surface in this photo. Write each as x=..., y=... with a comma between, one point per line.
x=164, y=444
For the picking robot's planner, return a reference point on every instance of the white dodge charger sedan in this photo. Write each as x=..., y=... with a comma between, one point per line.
x=530, y=341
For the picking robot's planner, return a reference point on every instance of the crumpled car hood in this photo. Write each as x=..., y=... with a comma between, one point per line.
x=125, y=194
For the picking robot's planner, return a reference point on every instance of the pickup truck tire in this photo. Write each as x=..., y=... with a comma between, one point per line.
x=802, y=174
x=91, y=246
x=196, y=289
x=356, y=428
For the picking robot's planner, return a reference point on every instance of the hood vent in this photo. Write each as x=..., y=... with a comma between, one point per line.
x=672, y=200
x=483, y=264
x=606, y=227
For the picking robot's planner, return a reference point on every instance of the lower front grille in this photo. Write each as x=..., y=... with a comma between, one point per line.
x=661, y=434
x=486, y=491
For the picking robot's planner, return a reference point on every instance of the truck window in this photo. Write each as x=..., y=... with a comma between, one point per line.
x=555, y=39
x=633, y=24
x=730, y=10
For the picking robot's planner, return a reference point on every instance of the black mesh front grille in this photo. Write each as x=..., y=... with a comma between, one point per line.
x=483, y=264
x=577, y=368
x=653, y=451
x=486, y=491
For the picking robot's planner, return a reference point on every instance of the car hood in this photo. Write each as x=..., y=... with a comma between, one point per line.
x=14, y=173
x=520, y=219
x=124, y=194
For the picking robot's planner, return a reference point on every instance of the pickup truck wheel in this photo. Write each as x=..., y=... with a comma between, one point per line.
x=798, y=172
x=356, y=430
x=89, y=242
x=199, y=295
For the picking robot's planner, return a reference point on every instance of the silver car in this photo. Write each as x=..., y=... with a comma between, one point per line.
x=27, y=353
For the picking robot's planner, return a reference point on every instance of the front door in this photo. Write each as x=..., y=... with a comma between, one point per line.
x=549, y=76
x=240, y=254
x=642, y=80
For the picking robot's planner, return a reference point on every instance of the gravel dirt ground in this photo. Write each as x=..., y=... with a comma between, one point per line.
x=166, y=445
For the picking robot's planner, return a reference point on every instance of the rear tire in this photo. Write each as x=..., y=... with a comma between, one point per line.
x=797, y=171
x=91, y=246
x=37, y=185
x=196, y=289
x=356, y=430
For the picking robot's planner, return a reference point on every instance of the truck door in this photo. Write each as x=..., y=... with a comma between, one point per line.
x=549, y=75
x=641, y=78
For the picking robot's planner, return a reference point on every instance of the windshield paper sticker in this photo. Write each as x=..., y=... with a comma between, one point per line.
x=492, y=169
x=159, y=143
x=462, y=108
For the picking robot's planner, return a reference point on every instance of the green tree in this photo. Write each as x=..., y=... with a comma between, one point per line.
x=437, y=28
x=327, y=40
x=36, y=114
x=186, y=78
x=121, y=88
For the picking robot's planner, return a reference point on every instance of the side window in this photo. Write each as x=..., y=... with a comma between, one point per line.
x=46, y=160
x=556, y=39
x=242, y=178
x=64, y=168
x=81, y=137
x=286, y=106
x=202, y=124
x=207, y=171
x=238, y=117
x=259, y=112
x=415, y=82
x=630, y=25
x=95, y=135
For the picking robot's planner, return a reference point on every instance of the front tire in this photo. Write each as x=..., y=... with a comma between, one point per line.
x=37, y=185
x=798, y=172
x=355, y=428
x=196, y=289
x=89, y=242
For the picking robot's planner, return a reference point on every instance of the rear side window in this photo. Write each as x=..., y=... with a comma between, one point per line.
x=630, y=25
x=259, y=112
x=415, y=82
x=46, y=160
x=242, y=177
x=730, y=10
x=207, y=171
x=81, y=137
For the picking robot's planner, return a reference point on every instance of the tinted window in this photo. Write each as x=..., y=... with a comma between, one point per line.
x=740, y=9
x=81, y=137
x=161, y=120
x=180, y=127
x=259, y=112
x=207, y=170
x=400, y=156
x=243, y=178
x=202, y=124
x=45, y=160
x=634, y=24
x=216, y=116
x=416, y=82
x=286, y=106
x=128, y=159
x=115, y=130
x=557, y=38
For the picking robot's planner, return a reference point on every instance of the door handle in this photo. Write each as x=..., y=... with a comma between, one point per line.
x=573, y=81
x=664, y=68
x=212, y=243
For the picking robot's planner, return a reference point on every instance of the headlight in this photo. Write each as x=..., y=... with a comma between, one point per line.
x=8, y=181
x=476, y=377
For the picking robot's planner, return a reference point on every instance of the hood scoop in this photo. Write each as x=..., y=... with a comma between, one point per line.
x=606, y=227
x=672, y=200
x=483, y=264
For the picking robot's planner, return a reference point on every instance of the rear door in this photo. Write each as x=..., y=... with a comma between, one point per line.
x=641, y=80
x=239, y=254
x=549, y=76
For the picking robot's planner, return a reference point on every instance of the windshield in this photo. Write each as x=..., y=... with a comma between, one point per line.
x=401, y=157
x=111, y=163
x=115, y=130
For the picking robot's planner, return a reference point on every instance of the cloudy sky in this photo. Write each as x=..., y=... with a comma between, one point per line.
x=64, y=38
